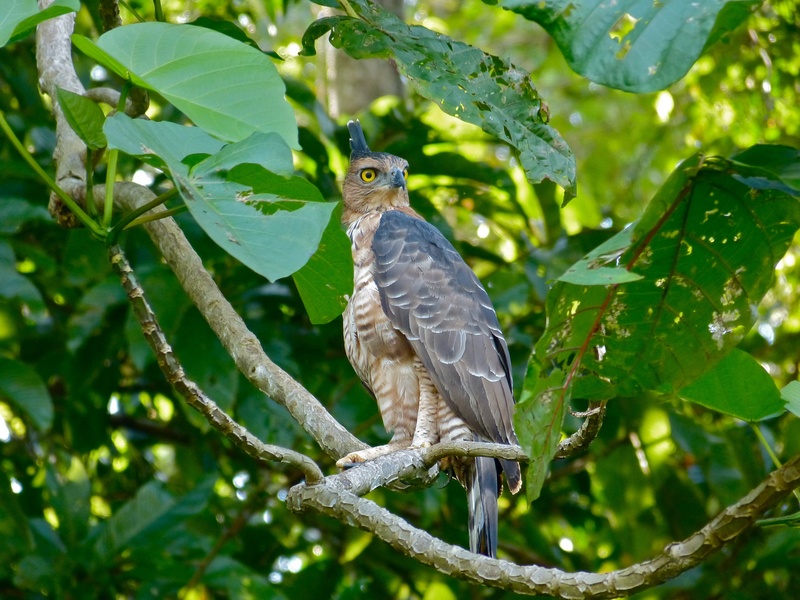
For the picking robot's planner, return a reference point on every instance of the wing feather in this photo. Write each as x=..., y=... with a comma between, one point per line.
x=430, y=294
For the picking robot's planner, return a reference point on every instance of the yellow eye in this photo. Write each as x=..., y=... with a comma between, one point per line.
x=368, y=175
x=405, y=173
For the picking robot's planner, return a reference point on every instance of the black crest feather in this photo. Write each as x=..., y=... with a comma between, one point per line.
x=358, y=143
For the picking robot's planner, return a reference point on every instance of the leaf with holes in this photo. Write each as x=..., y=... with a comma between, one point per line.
x=246, y=198
x=636, y=45
x=463, y=81
x=705, y=250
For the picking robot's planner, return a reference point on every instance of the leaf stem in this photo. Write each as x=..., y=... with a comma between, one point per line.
x=111, y=175
x=84, y=218
x=90, y=206
x=775, y=461
x=131, y=10
x=159, y=11
x=763, y=440
x=113, y=156
x=132, y=216
x=347, y=9
x=162, y=215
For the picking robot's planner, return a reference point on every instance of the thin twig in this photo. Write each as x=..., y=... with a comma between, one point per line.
x=191, y=392
x=581, y=440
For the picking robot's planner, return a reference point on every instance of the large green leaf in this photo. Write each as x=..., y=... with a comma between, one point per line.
x=462, y=80
x=228, y=88
x=633, y=45
x=19, y=17
x=331, y=268
x=247, y=200
x=21, y=385
x=704, y=252
x=739, y=386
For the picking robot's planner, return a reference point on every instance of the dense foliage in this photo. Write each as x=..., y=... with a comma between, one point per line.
x=641, y=241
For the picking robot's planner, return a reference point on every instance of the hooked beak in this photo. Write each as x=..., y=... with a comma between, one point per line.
x=397, y=178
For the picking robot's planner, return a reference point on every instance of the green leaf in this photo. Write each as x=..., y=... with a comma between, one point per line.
x=162, y=144
x=148, y=518
x=21, y=385
x=247, y=200
x=15, y=212
x=70, y=491
x=269, y=224
x=92, y=310
x=705, y=251
x=228, y=88
x=537, y=421
x=593, y=270
x=781, y=163
x=738, y=386
x=791, y=396
x=330, y=269
x=705, y=248
x=637, y=45
x=13, y=284
x=85, y=118
x=463, y=81
x=20, y=17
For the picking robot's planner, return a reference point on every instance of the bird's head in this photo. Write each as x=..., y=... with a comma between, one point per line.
x=375, y=181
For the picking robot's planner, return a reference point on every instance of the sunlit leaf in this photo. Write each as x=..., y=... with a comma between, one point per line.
x=705, y=250
x=791, y=396
x=228, y=88
x=331, y=267
x=739, y=386
x=20, y=17
x=638, y=45
x=537, y=422
x=463, y=81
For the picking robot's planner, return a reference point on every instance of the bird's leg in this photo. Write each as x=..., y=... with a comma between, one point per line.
x=426, y=431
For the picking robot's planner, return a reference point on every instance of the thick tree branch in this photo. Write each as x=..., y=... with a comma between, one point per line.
x=54, y=60
x=437, y=452
x=333, y=498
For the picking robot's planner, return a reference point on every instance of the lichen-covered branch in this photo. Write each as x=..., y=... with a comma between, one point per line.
x=581, y=440
x=332, y=498
x=437, y=452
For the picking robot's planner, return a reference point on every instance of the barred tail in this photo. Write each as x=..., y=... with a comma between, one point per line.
x=482, y=491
